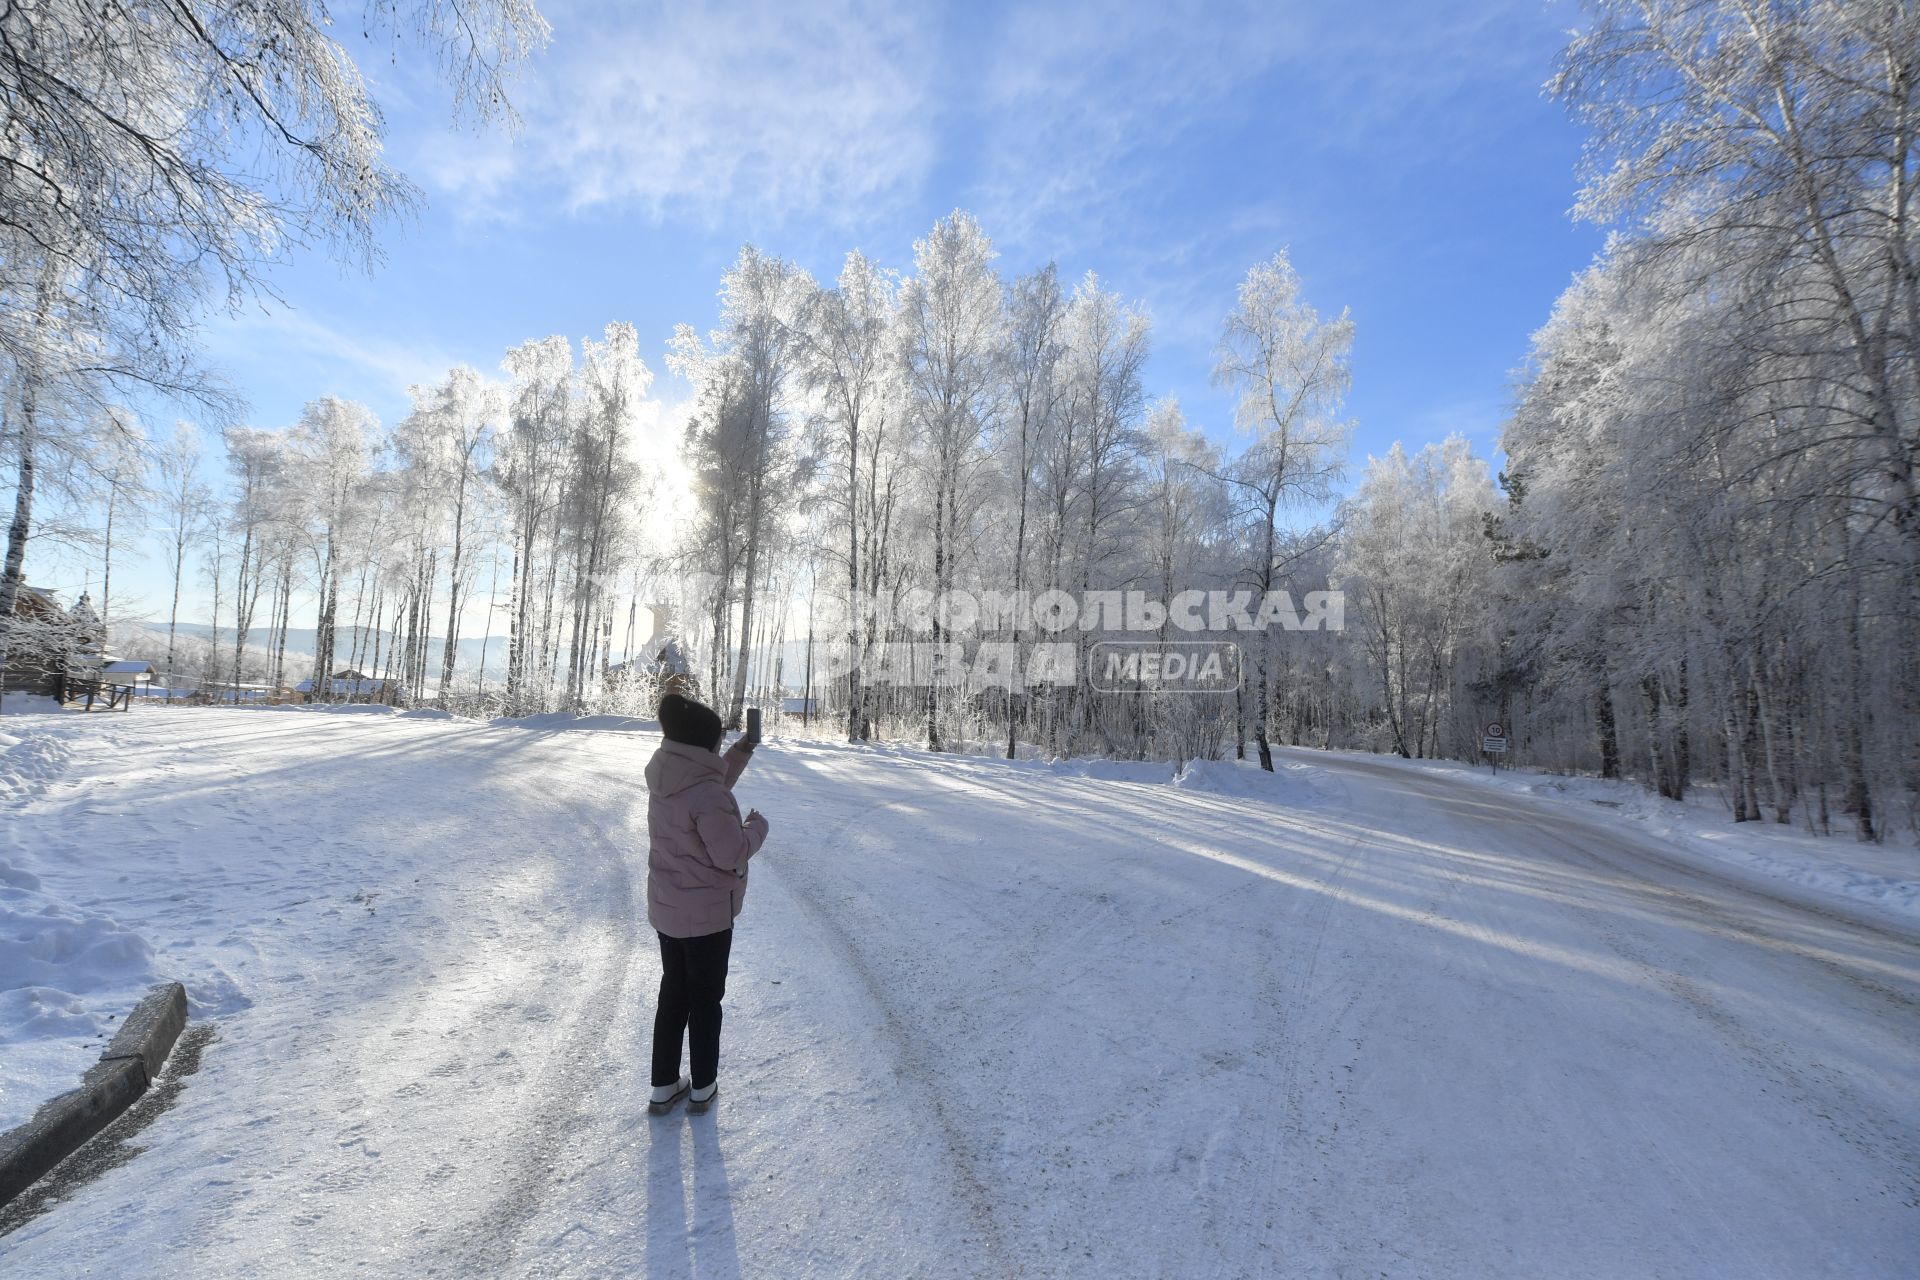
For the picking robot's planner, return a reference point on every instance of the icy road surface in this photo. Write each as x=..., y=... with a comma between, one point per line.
x=984, y=1020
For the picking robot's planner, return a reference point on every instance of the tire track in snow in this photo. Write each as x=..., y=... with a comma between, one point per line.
x=1474, y=832
x=1653, y=1142
x=1276, y=1124
x=572, y=1075
x=1287, y=989
x=1745, y=931
x=1817, y=1090
x=1774, y=1059
x=909, y=1047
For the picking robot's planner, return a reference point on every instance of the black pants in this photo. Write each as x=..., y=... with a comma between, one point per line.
x=693, y=977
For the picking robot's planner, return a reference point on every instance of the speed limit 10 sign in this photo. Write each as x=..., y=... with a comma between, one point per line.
x=1496, y=730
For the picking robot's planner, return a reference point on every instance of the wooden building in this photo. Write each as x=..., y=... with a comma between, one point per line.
x=50, y=644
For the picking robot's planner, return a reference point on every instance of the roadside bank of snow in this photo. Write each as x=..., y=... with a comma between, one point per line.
x=32, y=753
x=67, y=973
x=1289, y=784
x=18, y=704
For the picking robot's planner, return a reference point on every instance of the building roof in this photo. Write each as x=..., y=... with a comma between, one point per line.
x=38, y=598
x=348, y=686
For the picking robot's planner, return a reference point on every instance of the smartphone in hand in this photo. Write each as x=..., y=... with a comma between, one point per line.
x=753, y=725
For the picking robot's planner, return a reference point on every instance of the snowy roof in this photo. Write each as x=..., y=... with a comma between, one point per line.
x=126, y=667
x=38, y=596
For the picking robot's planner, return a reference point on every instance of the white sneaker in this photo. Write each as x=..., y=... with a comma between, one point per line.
x=665, y=1095
x=700, y=1099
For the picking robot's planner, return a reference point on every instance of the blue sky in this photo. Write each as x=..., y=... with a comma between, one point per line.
x=1402, y=152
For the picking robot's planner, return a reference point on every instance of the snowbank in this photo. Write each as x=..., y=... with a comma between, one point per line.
x=74, y=956
x=66, y=975
x=16, y=703
x=1288, y=784
x=28, y=761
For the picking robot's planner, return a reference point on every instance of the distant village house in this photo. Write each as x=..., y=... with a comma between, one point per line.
x=350, y=684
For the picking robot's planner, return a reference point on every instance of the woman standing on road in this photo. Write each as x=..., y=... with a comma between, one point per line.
x=698, y=848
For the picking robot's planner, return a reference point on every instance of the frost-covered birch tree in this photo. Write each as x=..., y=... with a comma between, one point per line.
x=333, y=445
x=950, y=339
x=183, y=503
x=1288, y=370
x=1035, y=384
x=848, y=358
x=454, y=421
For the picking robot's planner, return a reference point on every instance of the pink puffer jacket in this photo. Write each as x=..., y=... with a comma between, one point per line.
x=697, y=845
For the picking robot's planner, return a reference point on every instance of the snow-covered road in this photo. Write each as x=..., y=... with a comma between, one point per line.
x=985, y=1019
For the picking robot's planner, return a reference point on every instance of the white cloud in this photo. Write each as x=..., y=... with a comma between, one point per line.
x=1058, y=122
x=279, y=346
x=819, y=110
x=1078, y=89
x=1090, y=107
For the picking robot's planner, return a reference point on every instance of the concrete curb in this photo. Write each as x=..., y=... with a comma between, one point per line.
x=63, y=1125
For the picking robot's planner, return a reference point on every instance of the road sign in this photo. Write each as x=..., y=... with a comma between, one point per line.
x=1496, y=730
x=1498, y=745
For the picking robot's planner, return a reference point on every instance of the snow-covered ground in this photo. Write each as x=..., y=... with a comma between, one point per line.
x=985, y=1018
x=1884, y=876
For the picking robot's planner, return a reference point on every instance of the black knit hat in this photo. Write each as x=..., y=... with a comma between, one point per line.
x=694, y=723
